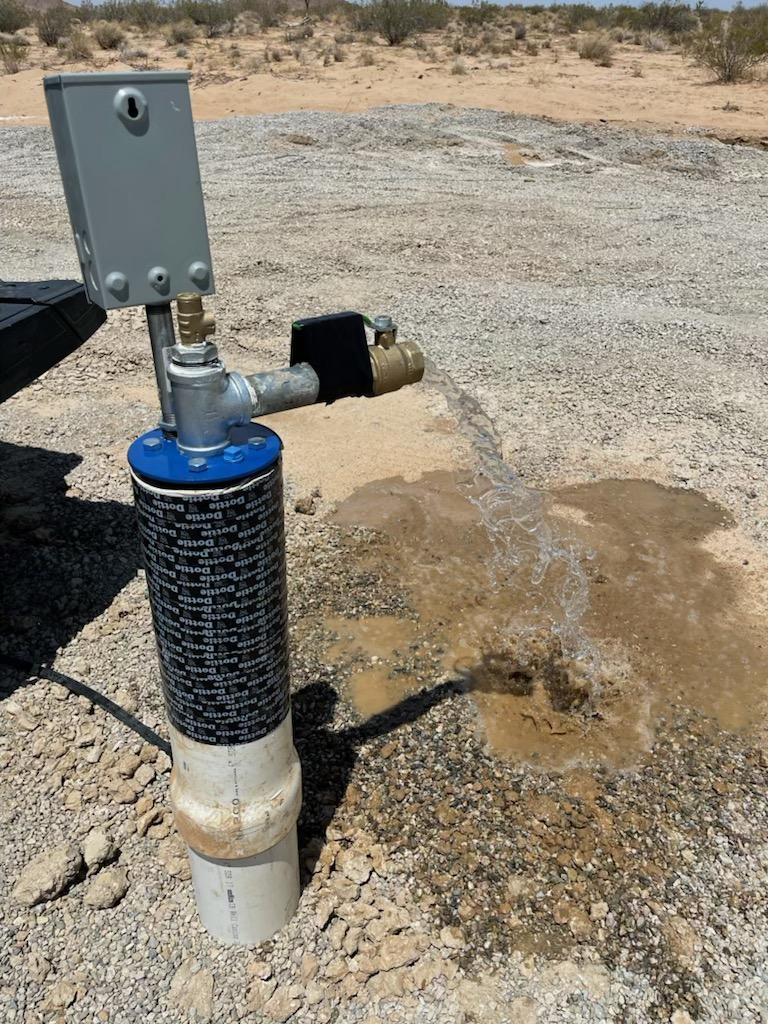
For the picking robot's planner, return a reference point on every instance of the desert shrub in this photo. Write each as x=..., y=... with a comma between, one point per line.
x=733, y=45
x=458, y=68
x=13, y=16
x=182, y=51
x=521, y=30
x=215, y=17
x=53, y=24
x=396, y=20
x=78, y=46
x=655, y=43
x=108, y=35
x=295, y=35
x=666, y=17
x=11, y=53
x=458, y=44
x=367, y=59
x=130, y=54
x=267, y=12
x=532, y=48
x=180, y=33
x=479, y=13
x=596, y=48
x=344, y=38
x=143, y=13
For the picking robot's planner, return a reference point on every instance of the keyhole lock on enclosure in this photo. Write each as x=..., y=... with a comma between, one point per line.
x=131, y=106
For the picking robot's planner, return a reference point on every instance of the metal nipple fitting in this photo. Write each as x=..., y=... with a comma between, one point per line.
x=194, y=323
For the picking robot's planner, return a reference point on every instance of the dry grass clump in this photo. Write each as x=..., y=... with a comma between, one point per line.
x=597, y=48
x=108, y=35
x=180, y=33
x=298, y=34
x=458, y=67
x=11, y=54
x=655, y=43
x=367, y=59
x=78, y=46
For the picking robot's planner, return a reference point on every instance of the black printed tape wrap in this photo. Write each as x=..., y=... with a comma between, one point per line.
x=215, y=565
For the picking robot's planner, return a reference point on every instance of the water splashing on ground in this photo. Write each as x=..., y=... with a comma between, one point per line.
x=521, y=534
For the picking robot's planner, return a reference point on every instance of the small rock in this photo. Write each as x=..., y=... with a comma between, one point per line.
x=191, y=991
x=107, y=888
x=357, y=867
x=128, y=764
x=173, y=856
x=260, y=991
x=314, y=993
x=397, y=951
x=260, y=969
x=337, y=969
x=324, y=912
x=309, y=967
x=599, y=911
x=98, y=848
x=282, y=1006
x=356, y=914
x=336, y=932
x=87, y=735
x=452, y=938
x=37, y=967
x=680, y=1017
x=127, y=701
x=305, y=506
x=154, y=814
x=144, y=804
x=48, y=875
x=60, y=996
x=144, y=774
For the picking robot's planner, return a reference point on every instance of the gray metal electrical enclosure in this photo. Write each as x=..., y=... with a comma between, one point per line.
x=126, y=149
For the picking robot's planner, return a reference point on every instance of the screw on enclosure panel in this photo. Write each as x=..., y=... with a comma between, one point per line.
x=153, y=445
x=117, y=283
x=199, y=272
x=233, y=454
x=383, y=323
x=160, y=280
x=257, y=442
x=198, y=464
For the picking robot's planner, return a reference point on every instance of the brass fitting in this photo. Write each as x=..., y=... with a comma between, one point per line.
x=194, y=323
x=394, y=363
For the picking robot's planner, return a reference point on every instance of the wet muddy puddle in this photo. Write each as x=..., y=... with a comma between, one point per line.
x=669, y=616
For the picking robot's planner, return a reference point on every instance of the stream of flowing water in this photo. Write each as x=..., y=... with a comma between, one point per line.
x=521, y=535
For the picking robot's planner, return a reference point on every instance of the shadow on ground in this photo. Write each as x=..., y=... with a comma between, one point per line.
x=63, y=560
x=328, y=756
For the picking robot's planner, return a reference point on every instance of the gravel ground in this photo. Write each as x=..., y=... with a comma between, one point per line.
x=601, y=300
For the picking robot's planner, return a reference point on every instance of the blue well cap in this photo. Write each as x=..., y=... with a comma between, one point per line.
x=253, y=448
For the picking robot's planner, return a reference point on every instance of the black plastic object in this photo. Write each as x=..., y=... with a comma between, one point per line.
x=336, y=348
x=41, y=322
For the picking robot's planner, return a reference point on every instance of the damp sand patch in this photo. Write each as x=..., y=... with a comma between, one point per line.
x=665, y=613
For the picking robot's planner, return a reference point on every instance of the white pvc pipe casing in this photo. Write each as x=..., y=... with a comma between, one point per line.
x=245, y=902
x=236, y=807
